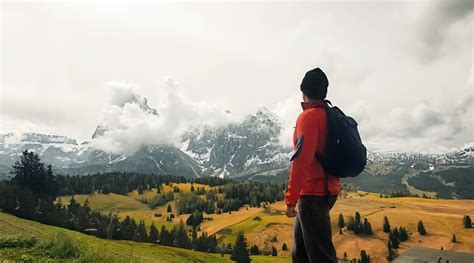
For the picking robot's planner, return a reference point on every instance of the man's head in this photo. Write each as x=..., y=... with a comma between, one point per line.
x=315, y=84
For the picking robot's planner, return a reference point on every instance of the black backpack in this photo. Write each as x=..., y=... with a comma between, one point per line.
x=345, y=154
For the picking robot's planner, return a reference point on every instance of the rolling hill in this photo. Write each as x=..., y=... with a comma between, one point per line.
x=72, y=246
x=268, y=227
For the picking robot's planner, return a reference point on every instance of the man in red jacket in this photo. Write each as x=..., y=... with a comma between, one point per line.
x=308, y=186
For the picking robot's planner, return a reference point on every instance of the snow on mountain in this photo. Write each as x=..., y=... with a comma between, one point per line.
x=245, y=148
x=464, y=154
x=235, y=149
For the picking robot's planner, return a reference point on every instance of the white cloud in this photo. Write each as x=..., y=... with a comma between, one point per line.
x=130, y=122
x=444, y=28
x=426, y=127
x=241, y=55
x=288, y=110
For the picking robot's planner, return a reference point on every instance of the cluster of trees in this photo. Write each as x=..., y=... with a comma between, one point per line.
x=191, y=202
x=194, y=220
x=395, y=237
x=159, y=199
x=401, y=193
x=124, y=182
x=236, y=195
x=32, y=194
x=355, y=224
x=254, y=250
x=198, y=190
x=364, y=258
x=178, y=236
x=241, y=253
x=254, y=193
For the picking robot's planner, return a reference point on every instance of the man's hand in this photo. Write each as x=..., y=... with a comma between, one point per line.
x=290, y=211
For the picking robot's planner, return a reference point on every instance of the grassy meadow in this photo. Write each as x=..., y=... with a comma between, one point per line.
x=268, y=227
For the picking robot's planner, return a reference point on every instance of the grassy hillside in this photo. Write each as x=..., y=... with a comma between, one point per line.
x=269, y=227
x=442, y=218
x=57, y=244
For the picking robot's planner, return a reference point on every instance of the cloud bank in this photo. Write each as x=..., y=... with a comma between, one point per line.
x=424, y=127
x=441, y=26
x=128, y=122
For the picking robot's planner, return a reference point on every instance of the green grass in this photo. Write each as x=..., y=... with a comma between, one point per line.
x=24, y=240
x=62, y=244
x=248, y=225
x=108, y=203
x=270, y=259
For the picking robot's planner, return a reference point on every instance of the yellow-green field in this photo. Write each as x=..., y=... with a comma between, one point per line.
x=441, y=218
x=269, y=227
x=94, y=249
x=112, y=251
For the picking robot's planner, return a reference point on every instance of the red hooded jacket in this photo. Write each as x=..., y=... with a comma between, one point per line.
x=307, y=176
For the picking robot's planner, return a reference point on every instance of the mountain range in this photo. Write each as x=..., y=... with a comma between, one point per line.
x=249, y=149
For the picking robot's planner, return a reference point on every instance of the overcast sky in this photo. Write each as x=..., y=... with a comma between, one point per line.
x=403, y=69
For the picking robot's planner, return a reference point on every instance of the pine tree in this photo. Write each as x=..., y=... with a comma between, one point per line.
x=357, y=217
x=467, y=221
x=393, y=240
x=194, y=240
x=453, y=239
x=30, y=173
x=390, y=255
x=240, y=252
x=142, y=231
x=274, y=252
x=284, y=247
x=367, y=227
x=395, y=233
x=364, y=258
x=126, y=229
x=254, y=250
x=165, y=237
x=421, y=228
x=154, y=234
x=181, y=238
x=402, y=234
x=341, y=221
x=386, y=225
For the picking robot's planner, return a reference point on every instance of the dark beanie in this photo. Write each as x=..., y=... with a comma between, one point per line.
x=315, y=84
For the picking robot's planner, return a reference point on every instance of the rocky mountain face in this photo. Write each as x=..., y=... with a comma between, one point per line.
x=459, y=156
x=232, y=150
x=239, y=149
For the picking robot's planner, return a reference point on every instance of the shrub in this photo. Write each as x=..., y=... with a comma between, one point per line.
x=62, y=246
x=17, y=241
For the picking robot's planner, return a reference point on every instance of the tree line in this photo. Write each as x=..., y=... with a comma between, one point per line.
x=124, y=182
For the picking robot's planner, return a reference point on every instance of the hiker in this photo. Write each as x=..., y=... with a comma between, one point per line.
x=309, y=187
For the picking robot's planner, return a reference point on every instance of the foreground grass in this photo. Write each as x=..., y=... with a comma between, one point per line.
x=24, y=240
x=61, y=244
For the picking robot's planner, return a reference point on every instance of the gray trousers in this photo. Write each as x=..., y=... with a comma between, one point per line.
x=312, y=238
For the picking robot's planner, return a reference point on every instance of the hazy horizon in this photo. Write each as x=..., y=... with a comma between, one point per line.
x=402, y=69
